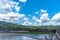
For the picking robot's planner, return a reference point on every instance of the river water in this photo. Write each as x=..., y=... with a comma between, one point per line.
x=18, y=36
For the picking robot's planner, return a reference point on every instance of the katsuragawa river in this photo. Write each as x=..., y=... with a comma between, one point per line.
x=17, y=36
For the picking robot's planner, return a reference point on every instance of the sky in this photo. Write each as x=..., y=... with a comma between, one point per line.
x=30, y=12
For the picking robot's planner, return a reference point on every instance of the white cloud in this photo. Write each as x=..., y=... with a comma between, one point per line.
x=56, y=17
x=45, y=20
x=55, y=20
x=22, y=0
x=17, y=8
x=9, y=5
x=25, y=19
x=43, y=11
x=36, y=21
x=44, y=17
x=34, y=18
x=6, y=11
x=27, y=23
x=11, y=17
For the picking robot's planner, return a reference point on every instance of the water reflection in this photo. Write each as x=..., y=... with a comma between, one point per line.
x=15, y=36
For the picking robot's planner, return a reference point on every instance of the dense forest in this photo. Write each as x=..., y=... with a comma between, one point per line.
x=15, y=27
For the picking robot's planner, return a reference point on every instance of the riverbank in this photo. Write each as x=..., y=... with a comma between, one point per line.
x=30, y=32
x=36, y=32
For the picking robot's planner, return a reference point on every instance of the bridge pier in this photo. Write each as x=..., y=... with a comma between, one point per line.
x=58, y=34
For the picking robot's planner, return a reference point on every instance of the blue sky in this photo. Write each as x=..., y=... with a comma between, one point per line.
x=30, y=12
x=31, y=6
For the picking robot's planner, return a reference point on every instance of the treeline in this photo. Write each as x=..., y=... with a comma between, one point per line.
x=29, y=28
